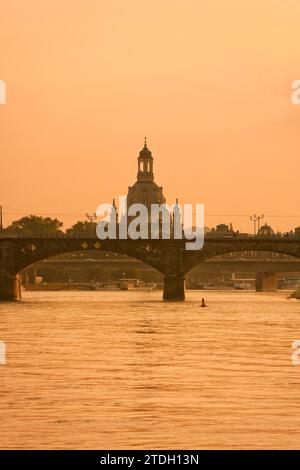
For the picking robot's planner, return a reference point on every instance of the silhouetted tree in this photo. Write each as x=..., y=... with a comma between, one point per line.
x=34, y=226
x=82, y=229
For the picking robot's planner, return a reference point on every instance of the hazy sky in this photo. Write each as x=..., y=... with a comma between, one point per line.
x=208, y=81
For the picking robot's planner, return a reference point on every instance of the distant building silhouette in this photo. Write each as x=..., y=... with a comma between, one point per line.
x=265, y=230
x=145, y=190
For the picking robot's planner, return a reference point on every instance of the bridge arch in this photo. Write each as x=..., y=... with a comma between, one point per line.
x=33, y=251
x=216, y=248
x=106, y=267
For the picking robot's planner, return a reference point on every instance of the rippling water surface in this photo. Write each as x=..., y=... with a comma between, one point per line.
x=125, y=370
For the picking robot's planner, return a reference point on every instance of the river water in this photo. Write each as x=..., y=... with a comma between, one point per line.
x=109, y=370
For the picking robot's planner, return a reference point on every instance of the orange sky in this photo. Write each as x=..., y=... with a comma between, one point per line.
x=208, y=81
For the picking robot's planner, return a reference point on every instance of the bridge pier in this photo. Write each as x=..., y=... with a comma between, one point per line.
x=266, y=282
x=10, y=287
x=174, y=287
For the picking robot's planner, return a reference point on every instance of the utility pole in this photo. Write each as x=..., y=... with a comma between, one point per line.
x=256, y=220
x=1, y=219
x=259, y=218
x=253, y=218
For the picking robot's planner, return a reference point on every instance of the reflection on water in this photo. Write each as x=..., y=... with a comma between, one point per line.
x=125, y=370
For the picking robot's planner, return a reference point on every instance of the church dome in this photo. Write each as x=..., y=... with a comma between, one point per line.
x=266, y=230
x=145, y=190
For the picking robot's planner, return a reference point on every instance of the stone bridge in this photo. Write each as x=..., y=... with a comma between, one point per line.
x=167, y=256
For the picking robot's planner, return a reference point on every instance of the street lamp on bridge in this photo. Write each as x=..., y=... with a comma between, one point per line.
x=256, y=221
x=91, y=217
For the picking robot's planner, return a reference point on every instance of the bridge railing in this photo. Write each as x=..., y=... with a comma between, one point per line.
x=208, y=236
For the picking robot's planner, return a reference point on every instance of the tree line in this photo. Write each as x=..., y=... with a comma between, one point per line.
x=38, y=226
